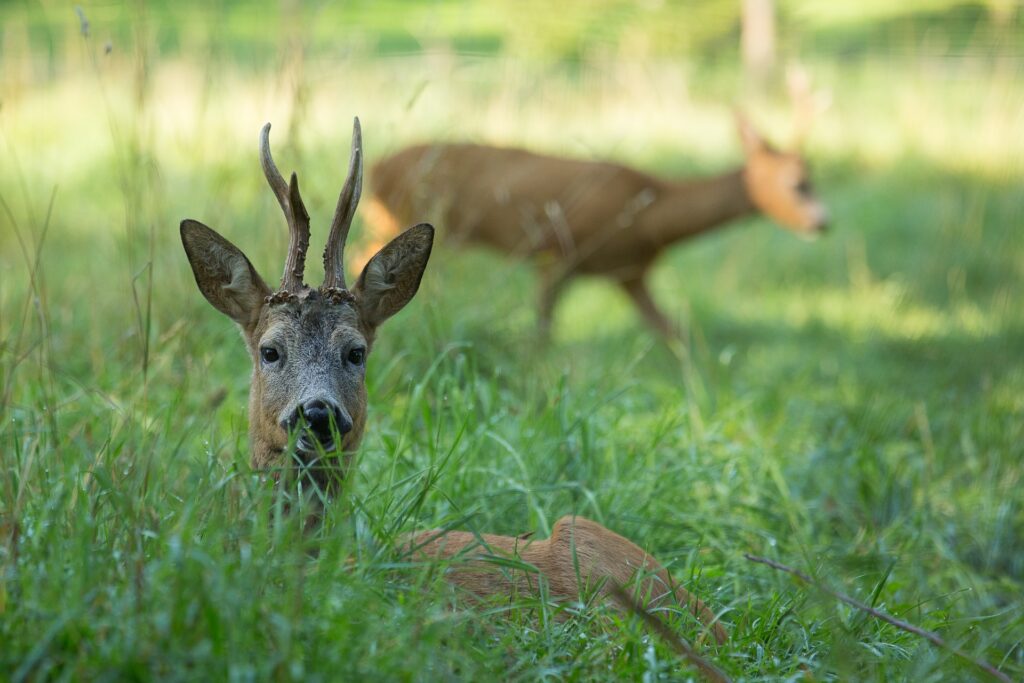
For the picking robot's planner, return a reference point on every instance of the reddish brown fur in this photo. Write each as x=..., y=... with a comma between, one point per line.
x=582, y=217
x=603, y=558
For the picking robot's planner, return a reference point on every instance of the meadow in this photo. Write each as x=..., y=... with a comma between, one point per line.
x=852, y=407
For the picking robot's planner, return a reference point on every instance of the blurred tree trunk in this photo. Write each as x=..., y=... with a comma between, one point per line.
x=757, y=40
x=1002, y=11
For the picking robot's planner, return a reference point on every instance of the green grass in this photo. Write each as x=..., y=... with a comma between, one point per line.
x=853, y=407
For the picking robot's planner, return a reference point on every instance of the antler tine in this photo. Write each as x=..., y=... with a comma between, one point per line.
x=294, y=212
x=806, y=102
x=298, y=242
x=334, y=254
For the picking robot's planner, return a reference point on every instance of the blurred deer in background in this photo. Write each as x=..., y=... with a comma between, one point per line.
x=307, y=402
x=587, y=217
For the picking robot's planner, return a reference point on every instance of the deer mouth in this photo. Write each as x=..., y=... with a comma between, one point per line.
x=310, y=448
x=319, y=461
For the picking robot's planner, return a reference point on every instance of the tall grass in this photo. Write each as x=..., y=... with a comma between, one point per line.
x=852, y=407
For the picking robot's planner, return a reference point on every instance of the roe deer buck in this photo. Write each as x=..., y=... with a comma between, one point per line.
x=584, y=217
x=309, y=349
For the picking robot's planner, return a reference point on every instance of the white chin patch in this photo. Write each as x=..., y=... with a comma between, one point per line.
x=308, y=447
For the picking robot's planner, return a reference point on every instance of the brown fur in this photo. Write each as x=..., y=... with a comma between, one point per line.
x=313, y=330
x=603, y=558
x=582, y=217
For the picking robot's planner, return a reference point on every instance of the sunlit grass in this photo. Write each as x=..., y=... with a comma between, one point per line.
x=851, y=406
x=76, y=123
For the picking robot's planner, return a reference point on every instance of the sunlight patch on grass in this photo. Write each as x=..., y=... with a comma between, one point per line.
x=69, y=130
x=882, y=308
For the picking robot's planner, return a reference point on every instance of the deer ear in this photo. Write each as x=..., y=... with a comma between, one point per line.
x=749, y=137
x=224, y=274
x=392, y=276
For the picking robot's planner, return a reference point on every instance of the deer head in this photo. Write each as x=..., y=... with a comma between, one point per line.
x=308, y=346
x=779, y=183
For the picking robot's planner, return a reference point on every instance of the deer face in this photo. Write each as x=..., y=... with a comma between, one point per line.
x=780, y=186
x=309, y=347
x=309, y=362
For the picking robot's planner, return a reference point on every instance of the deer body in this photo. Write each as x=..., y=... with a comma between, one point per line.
x=307, y=402
x=596, y=217
x=604, y=559
x=583, y=217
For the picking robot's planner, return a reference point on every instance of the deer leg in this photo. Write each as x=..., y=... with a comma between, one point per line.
x=638, y=292
x=552, y=283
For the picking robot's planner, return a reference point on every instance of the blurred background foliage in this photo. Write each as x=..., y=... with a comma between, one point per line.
x=578, y=31
x=854, y=406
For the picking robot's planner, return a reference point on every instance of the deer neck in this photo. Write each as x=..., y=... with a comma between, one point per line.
x=685, y=208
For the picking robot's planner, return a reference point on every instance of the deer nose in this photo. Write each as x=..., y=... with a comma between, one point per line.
x=318, y=415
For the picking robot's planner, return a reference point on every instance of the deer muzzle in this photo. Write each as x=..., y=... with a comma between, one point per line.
x=317, y=422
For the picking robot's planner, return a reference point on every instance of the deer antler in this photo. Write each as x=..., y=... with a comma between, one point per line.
x=294, y=212
x=807, y=102
x=334, y=253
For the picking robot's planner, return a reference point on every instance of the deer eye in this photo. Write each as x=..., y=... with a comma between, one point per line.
x=269, y=354
x=357, y=355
